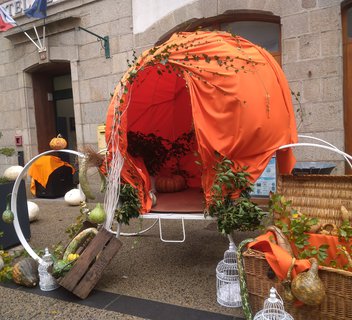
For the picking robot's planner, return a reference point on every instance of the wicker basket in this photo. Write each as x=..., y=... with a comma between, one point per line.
x=316, y=196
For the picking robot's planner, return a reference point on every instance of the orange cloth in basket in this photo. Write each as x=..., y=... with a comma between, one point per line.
x=43, y=167
x=280, y=260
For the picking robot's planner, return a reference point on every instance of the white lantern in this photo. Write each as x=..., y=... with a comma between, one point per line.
x=273, y=309
x=227, y=280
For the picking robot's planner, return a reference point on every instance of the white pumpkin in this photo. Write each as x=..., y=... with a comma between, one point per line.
x=33, y=211
x=74, y=197
x=12, y=173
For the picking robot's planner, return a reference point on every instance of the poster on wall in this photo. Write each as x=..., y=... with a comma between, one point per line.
x=267, y=181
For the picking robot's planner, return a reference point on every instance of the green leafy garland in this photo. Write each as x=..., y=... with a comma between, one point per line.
x=129, y=204
x=233, y=214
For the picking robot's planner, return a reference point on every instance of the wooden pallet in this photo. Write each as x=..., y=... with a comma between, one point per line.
x=89, y=267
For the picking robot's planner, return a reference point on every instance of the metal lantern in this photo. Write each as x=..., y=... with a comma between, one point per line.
x=227, y=280
x=273, y=309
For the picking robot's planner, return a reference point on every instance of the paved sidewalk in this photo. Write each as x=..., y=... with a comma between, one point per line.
x=147, y=279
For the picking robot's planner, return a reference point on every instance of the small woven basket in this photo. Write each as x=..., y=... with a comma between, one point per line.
x=318, y=196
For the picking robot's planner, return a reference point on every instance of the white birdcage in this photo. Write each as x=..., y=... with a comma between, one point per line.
x=273, y=309
x=227, y=280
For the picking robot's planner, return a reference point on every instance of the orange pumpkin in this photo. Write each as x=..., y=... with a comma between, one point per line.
x=171, y=183
x=58, y=143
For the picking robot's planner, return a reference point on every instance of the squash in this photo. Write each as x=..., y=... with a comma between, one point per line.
x=12, y=172
x=171, y=183
x=33, y=211
x=329, y=229
x=85, y=235
x=74, y=197
x=7, y=215
x=307, y=286
x=281, y=239
x=153, y=197
x=345, y=215
x=2, y=263
x=25, y=272
x=286, y=283
x=58, y=143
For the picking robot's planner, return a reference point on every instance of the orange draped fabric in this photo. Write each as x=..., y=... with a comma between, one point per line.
x=42, y=168
x=280, y=260
x=230, y=91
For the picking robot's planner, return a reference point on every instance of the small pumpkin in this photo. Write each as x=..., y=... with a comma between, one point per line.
x=13, y=172
x=58, y=143
x=171, y=183
x=33, y=211
x=25, y=272
x=307, y=286
x=74, y=197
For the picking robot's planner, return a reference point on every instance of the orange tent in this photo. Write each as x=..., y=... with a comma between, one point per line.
x=217, y=91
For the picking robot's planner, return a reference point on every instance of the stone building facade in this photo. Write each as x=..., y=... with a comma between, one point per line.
x=68, y=87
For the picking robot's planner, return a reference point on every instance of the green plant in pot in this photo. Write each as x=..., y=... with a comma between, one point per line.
x=233, y=214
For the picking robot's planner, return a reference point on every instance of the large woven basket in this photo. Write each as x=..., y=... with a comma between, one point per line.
x=318, y=196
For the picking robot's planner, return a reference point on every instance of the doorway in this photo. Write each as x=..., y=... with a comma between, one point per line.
x=53, y=105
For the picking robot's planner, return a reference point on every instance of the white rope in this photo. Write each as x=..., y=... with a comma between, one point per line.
x=113, y=178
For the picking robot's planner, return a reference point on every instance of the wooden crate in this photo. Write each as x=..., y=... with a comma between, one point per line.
x=89, y=267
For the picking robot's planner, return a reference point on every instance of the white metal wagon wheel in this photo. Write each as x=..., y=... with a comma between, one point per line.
x=304, y=144
x=327, y=143
x=16, y=185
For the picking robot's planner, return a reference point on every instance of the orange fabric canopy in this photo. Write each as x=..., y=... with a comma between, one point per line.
x=42, y=168
x=231, y=92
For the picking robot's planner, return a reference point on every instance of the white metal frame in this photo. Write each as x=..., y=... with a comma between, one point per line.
x=16, y=185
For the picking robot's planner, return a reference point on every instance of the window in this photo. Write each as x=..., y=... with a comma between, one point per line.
x=259, y=28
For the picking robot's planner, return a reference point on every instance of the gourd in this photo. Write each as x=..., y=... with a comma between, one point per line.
x=307, y=286
x=12, y=172
x=74, y=197
x=97, y=215
x=7, y=215
x=58, y=143
x=242, y=278
x=83, y=179
x=281, y=239
x=153, y=197
x=85, y=235
x=345, y=215
x=329, y=229
x=25, y=272
x=33, y=211
x=286, y=283
x=171, y=183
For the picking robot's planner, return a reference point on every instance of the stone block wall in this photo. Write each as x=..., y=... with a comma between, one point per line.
x=311, y=59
